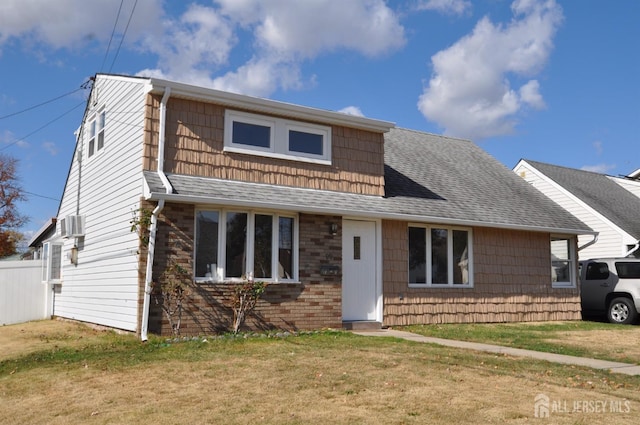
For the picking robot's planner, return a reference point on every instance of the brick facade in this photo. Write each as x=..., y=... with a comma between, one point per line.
x=512, y=282
x=314, y=303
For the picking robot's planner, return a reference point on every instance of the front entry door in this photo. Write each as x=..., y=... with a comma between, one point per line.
x=359, y=271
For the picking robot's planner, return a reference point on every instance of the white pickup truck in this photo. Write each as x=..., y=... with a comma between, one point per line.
x=611, y=285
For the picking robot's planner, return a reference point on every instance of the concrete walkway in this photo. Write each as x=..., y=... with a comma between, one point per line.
x=615, y=367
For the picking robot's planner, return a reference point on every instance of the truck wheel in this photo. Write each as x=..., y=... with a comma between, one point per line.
x=622, y=311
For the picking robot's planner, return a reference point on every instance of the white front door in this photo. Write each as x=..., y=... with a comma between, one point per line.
x=359, y=271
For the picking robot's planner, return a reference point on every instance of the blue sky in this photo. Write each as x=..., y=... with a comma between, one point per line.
x=552, y=81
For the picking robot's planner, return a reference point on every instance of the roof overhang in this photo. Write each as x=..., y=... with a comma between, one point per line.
x=267, y=106
x=41, y=234
x=320, y=202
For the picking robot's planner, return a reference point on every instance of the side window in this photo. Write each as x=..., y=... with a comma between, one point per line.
x=597, y=271
x=52, y=262
x=96, y=133
x=563, y=262
x=628, y=270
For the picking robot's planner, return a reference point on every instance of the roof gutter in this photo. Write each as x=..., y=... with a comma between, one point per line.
x=591, y=242
x=207, y=200
x=153, y=228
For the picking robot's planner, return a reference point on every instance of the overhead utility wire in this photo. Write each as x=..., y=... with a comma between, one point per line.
x=43, y=126
x=123, y=35
x=41, y=104
x=112, y=34
x=41, y=196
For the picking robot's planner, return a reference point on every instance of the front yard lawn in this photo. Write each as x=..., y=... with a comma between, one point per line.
x=597, y=340
x=65, y=373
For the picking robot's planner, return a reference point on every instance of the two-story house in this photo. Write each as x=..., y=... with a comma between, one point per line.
x=348, y=218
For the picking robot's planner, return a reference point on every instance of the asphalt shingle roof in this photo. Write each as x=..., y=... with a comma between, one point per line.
x=599, y=192
x=427, y=178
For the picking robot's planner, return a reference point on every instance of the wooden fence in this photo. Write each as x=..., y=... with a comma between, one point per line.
x=23, y=295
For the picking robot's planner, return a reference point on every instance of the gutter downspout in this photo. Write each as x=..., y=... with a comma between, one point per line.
x=153, y=228
x=591, y=242
x=632, y=250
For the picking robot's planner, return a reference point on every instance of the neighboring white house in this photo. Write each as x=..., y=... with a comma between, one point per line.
x=609, y=205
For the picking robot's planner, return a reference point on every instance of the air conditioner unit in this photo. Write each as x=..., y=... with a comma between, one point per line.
x=72, y=226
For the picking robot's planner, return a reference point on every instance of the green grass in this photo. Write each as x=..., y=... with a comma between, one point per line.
x=546, y=337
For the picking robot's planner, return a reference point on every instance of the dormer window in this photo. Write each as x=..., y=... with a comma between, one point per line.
x=276, y=137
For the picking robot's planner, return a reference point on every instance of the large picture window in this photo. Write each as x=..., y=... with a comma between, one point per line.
x=440, y=256
x=277, y=137
x=231, y=245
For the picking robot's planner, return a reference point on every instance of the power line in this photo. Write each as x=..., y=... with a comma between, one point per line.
x=40, y=196
x=41, y=104
x=40, y=128
x=112, y=34
x=123, y=35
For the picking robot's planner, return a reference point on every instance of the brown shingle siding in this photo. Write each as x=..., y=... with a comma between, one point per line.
x=195, y=143
x=512, y=283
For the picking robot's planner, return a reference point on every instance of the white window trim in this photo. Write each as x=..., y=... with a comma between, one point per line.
x=93, y=126
x=47, y=261
x=450, y=264
x=572, y=260
x=220, y=275
x=279, y=143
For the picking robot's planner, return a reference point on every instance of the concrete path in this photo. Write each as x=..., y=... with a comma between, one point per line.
x=615, y=367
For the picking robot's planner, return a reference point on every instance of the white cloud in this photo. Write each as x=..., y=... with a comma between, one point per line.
x=599, y=168
x=597, y=145
x=448, y=7
x=352, y=110
x=285, y=34
x=72, y=23
x=470, y=94
x=51, y=148
x=196, y=45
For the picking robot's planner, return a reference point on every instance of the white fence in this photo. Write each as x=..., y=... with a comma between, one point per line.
x=23, y=295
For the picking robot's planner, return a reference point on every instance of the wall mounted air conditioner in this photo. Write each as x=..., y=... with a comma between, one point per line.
x=72, y=226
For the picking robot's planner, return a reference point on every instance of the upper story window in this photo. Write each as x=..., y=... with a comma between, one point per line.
x=277, y=137
x=96, y=133
x=440, y=256
x=563, y=262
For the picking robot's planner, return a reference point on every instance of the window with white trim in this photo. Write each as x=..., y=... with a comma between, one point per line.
x=277, y=137
x=230, y=245
x=563, y=262
x=440, y=256
x=52, y=262
x=96, y=133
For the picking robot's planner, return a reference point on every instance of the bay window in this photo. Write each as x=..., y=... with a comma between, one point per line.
x=440, y=256
x=230, y=245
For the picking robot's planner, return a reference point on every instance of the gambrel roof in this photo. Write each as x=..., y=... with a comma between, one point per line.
x=600, y=192
x=428, y=178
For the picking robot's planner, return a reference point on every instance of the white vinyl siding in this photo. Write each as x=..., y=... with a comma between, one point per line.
x=611, y=242
x=103, y=287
